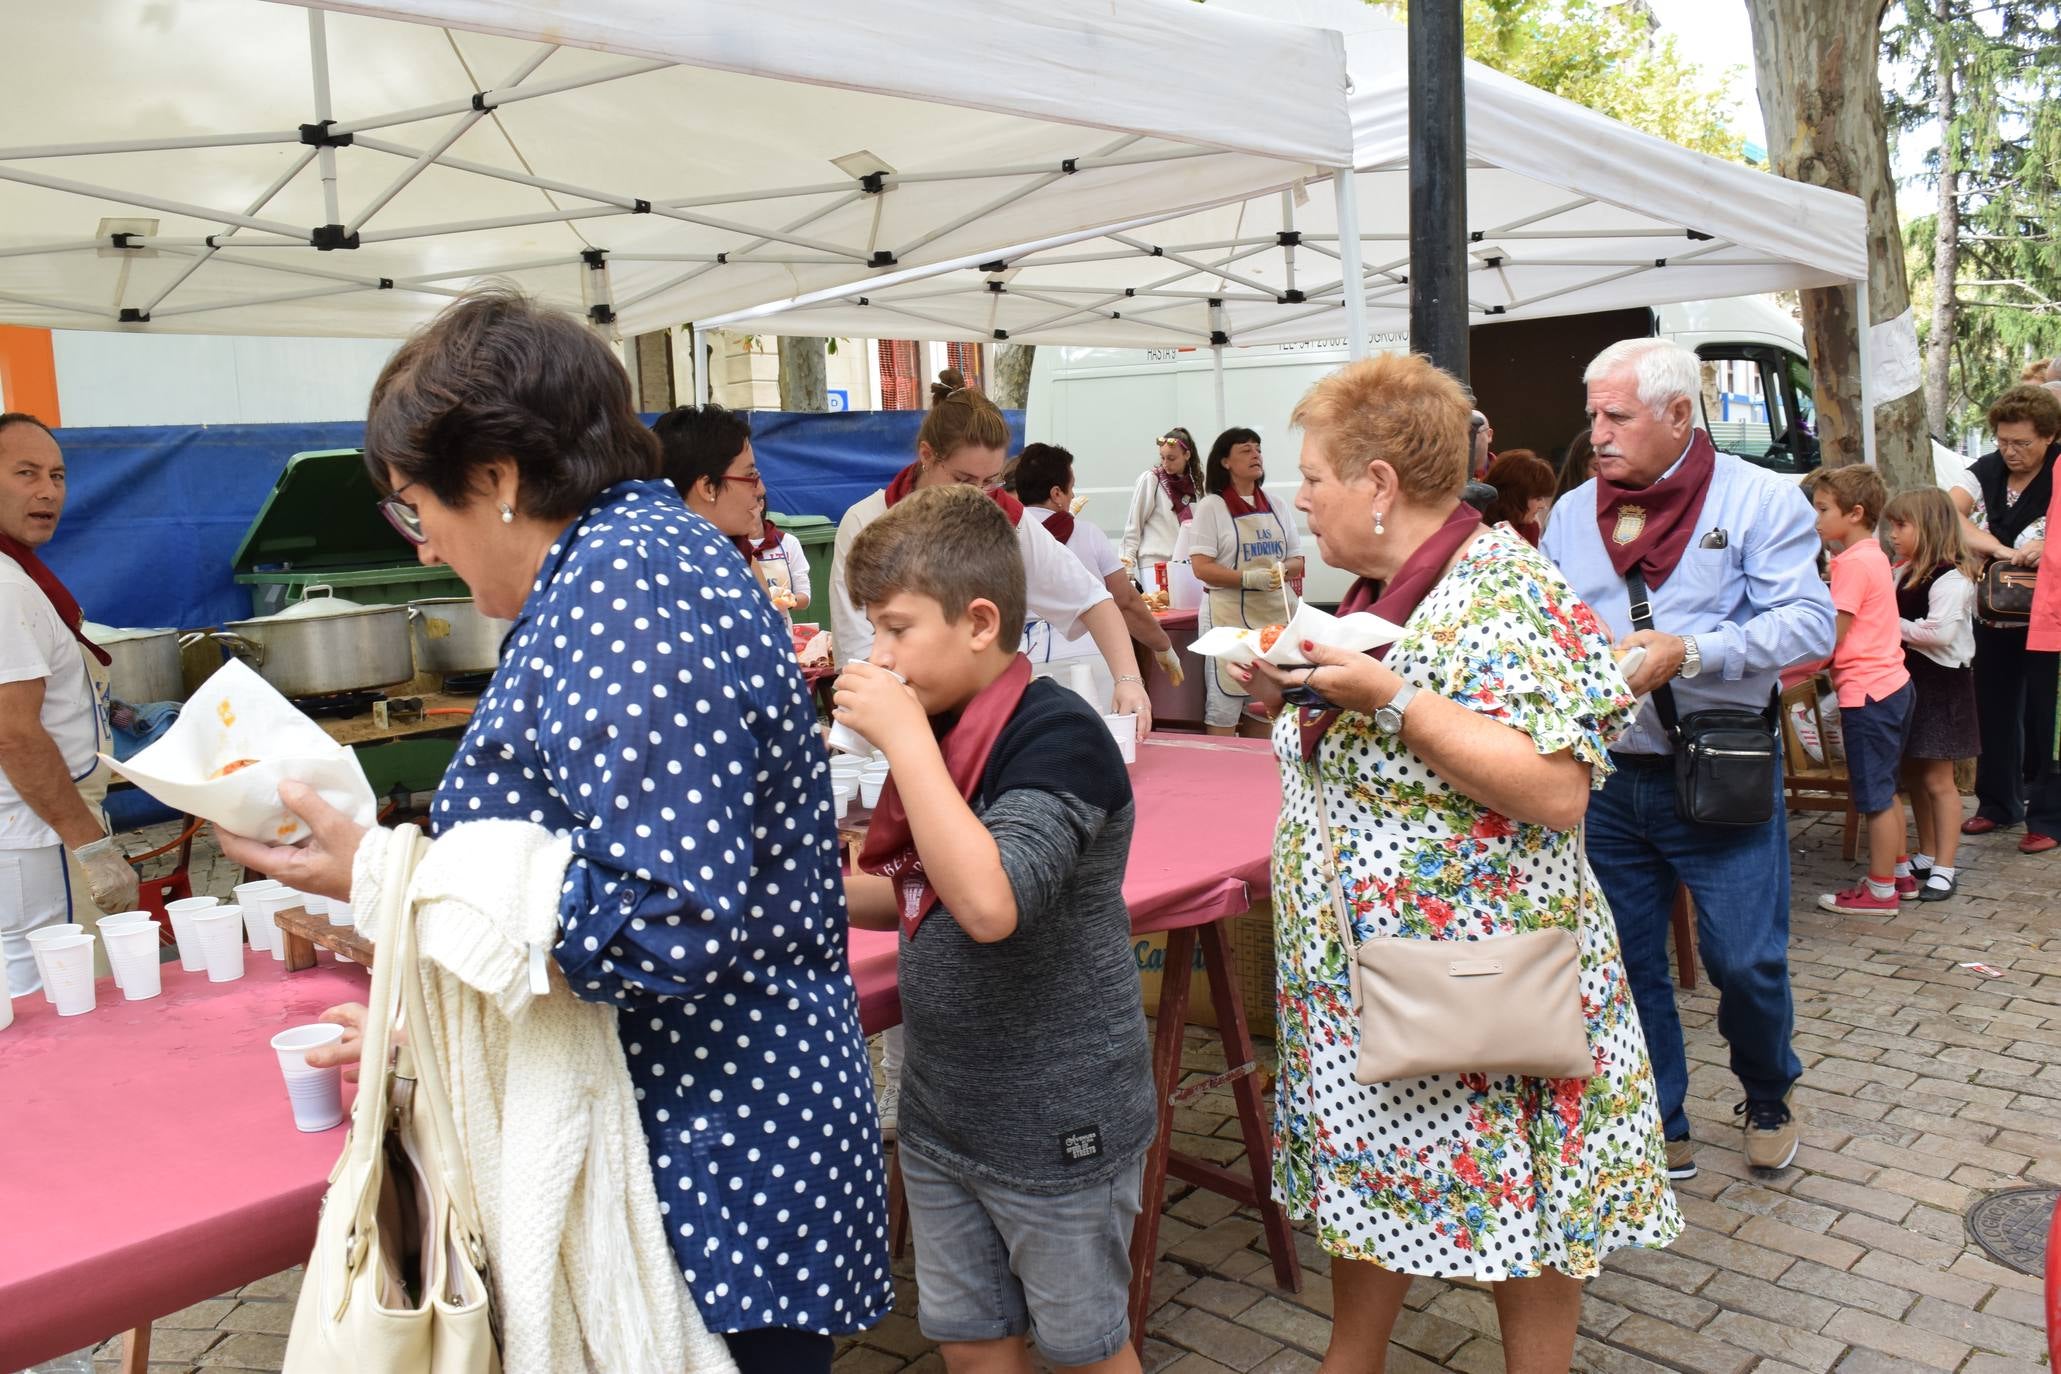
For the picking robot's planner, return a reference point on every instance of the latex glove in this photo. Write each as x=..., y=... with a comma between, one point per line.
x=1170, y=663
x=112, y=882
x=1262, y=579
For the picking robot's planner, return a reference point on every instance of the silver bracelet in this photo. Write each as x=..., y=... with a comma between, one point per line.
x=1132, y=677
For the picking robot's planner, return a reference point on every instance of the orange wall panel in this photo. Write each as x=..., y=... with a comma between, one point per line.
x=28, y=373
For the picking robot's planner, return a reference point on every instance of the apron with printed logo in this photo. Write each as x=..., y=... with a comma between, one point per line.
x=1261, y=542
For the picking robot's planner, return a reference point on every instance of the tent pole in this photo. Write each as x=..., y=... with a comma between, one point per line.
x=318, y=59
x=1353, y=276
x=1867, y=361
x=1288, y=241
x=1216, y=368
x=1438, y=187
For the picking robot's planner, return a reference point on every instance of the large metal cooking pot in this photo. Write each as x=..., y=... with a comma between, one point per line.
x=322, y=645
x=145, y=663
x=451, y=636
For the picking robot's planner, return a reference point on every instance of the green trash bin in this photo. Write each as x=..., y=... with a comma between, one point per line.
x=817, y=535
x=321, y=526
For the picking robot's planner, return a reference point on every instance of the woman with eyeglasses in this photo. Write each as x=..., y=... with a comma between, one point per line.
x=2003, y=499
x=647, y=752
x=1248, y=557
x=709, y=460
x=1162, y=501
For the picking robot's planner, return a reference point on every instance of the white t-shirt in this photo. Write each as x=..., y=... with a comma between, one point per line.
x=789, y=553
x=1057, y=589
x=1214, y=534
x=1092, y=547
x=34, y=643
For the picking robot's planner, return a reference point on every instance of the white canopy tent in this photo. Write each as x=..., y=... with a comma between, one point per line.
x=233, y=166
x=1568, y=212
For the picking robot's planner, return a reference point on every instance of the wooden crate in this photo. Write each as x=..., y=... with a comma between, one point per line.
x=1252, y=956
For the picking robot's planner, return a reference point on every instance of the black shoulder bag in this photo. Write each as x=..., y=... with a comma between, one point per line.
x=1725, y=758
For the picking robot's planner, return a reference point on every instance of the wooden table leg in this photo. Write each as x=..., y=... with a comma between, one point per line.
x=1258, y=1189
x=135, y=1351
x=1166, y=1079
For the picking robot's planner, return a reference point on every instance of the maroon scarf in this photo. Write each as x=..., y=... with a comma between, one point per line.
x=1240, y=507
x=1059, y=524
x=1648, y=528
x=768, y=543
x=66, y=605
x=1530, y=530
x=1395, y=599
x=966, y=744
x=905, y=482
x=1180, y=493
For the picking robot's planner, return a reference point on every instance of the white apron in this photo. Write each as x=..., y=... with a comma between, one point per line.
x=1262, y=542
x=777, y=576
x=92, y=785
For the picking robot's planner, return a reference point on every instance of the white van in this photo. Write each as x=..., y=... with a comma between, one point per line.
x=1107, y=405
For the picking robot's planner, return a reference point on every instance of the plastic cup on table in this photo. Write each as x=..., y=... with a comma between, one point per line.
x=132, y=954
x=1124, y=730
x=270, y=904
x=68, y=964
x=220, y=933
x=315, y=904
x=256, y=924
x=191, y=957
x=842, y=791
x=340, y=913
x=316, y=1095
x=107, y=925
x=42, y=936
x=870, y=785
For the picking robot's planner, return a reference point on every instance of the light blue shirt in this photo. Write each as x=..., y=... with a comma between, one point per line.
x=1754, y=607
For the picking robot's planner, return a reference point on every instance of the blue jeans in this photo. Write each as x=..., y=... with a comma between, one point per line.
x=1640, y=848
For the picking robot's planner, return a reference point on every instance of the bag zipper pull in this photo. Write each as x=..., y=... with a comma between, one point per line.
x=540, y=971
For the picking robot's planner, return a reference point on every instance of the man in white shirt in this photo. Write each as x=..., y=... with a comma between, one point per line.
x=1044, y=483
x=57, y=861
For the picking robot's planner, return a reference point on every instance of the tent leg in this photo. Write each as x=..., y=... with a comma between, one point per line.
x=1216, y=368
x=1867, y=361
x=1349, y=261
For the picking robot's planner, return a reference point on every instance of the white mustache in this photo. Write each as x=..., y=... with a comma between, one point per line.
x=1609, y=451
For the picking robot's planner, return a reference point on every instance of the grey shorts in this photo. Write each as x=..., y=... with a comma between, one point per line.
x=992, y=1262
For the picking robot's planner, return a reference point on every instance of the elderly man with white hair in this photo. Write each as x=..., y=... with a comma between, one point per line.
x=1726, y=554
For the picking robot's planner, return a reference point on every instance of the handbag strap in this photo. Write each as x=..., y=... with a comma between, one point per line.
x=1642, y=619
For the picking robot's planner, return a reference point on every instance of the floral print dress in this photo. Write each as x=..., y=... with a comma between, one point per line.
x=1461, y=1175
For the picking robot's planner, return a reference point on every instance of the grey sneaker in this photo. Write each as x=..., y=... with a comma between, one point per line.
x=1770, y=1133
x=1681, y=1159
x=890, y=1109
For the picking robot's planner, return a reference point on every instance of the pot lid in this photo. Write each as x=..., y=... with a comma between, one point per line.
x=108, y=634
x=324, y=607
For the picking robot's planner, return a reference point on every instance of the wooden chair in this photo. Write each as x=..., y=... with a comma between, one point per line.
x=1819, y=784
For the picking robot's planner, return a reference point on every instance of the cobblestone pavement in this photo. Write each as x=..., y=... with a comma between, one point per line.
x=1925, y=1086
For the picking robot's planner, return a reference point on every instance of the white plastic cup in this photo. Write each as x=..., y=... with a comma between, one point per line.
x=1081, y=678
x=845, y=740
x=220, y=933
x=132, y=953
x=1124, y=730
x=316, y=1095
x=270, y=904
x=843, y=793
x=68, y=964
x=340, y=913
x=107, y=925
x=315, y=904
x=869, y=789
x=42, y=936
x=256, y=925
x=191, y=957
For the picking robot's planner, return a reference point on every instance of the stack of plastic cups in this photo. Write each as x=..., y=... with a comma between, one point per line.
x=191, y=957
x=871, y=779
x=270, y=904
x=340, y=914
x=68, y=971
x=42, y=936
x=257, y=922
x=220, y=932
x=316, y=1094
x=132, y=953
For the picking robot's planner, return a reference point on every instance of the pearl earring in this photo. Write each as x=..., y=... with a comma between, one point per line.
x=1377, y=523
x=507, y=514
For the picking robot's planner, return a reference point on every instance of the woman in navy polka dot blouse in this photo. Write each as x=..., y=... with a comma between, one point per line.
x=648, y=705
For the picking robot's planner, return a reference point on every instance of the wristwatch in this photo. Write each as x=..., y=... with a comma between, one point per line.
x=1389, y=719
x=1692, y=659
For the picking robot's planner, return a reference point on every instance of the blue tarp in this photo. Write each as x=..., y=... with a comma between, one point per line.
x=154, y=515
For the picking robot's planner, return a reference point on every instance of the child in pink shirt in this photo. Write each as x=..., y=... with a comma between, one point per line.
x=1868, y=673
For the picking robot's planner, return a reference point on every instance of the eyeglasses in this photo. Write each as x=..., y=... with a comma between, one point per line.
x=2022, y=445
x=754, y=477
x=406, y=520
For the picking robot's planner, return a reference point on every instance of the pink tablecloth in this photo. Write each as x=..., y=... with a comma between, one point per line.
x=148, y=1158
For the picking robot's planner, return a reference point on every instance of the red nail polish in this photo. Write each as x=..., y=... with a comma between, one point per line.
x=1307, y=646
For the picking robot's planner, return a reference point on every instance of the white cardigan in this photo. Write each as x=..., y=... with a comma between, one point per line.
x=584, y=1277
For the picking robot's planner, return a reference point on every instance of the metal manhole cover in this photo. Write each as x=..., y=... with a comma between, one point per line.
x=2012, y=1226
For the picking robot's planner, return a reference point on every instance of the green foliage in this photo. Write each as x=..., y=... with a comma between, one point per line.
x=1605, y=54
x=2003, y=142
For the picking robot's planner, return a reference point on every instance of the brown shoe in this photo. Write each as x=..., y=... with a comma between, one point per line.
x=1770, y=1133
x=2035, y=843
x=1979, y=825
x=1681, y=1159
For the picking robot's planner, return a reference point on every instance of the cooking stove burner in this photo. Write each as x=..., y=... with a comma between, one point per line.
x=467, y=684
x=338, y=705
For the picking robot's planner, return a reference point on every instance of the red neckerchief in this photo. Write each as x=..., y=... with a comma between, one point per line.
x=905, y=482
x=1059, y=524
x=770, y=543
x=890, y=844
x=1240, y=507
x=1180, y=493
x=1530, y=530
x=1394, y=600
x=1650, y=527
x=62, y=600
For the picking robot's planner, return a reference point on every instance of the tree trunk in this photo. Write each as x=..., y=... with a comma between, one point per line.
x=1946, y=241
x=1815, y=62
x=804, y=374
x=1011, y=385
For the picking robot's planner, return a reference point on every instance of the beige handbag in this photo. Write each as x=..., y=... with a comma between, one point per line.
x=398, y=1280
x=1506, y=1004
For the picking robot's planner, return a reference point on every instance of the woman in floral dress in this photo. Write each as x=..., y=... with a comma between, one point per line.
x=1455, y=772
